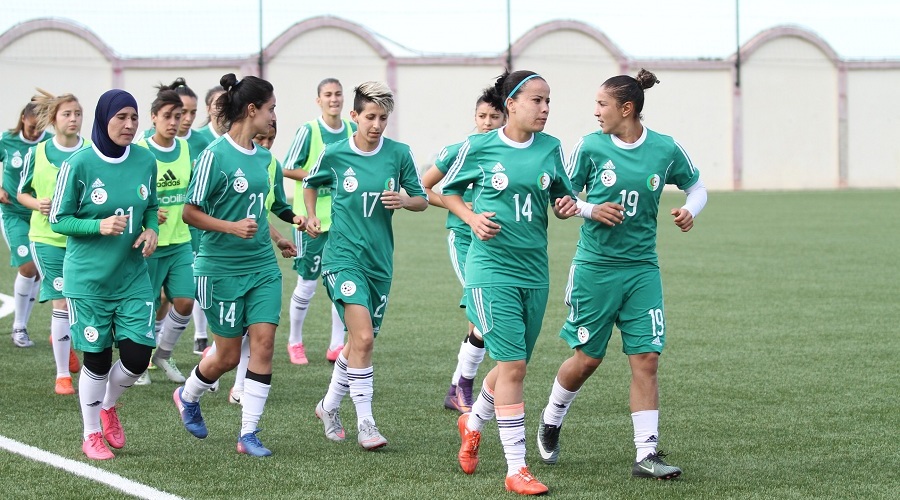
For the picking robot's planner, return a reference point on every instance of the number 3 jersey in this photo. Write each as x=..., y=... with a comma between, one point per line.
x=633, y=176
x=89, y=188
x=361, y=235
x=517, y=181
x=231, y=183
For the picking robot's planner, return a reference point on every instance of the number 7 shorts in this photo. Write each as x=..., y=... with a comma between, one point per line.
x=96, y=323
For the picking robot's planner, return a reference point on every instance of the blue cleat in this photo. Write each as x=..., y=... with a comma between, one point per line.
x=249, y=444
x=190, y=415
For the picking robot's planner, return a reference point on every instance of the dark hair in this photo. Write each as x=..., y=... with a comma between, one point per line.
x=27, y=112
x=624, y=88
x=507, y=83
x=180, y=87
x=326, y=82
x=209, y=100
x=231, y=106
x=165, y=97
x=375, y=92
x=491, y=95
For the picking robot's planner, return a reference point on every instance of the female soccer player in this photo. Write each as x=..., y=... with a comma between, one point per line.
x=365, y=175
x=48, y=248
x=105, y=202
x=213, y=128
x=238, y=279
x=14, y=145
x=614, y=278
x=309, y=142
x=516, y=173
x=489, y=114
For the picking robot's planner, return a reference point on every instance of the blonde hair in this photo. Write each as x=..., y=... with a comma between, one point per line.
x=374, y=92
x=46, y=106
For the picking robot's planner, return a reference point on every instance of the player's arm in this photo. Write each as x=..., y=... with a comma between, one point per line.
x=561, y=196
x=205, y=186
x=65, y=203
x=687, y=178
x=4, y=196
x=280, y=206
x=149, y=237
x=318, y=176
x=455, y=183
x=431, y=178
x=287, y=247
x=25, y=193
x=297, y=155
x=412, y=197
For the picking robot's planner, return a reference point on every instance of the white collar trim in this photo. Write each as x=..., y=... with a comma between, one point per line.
x=509, y=142
x=619, y=143
x=366, y=153
x=248, y=152
x=107, y=159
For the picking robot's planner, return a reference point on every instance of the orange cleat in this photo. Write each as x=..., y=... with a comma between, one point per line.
x=468, y=451
x=112, y=428
x=524, y=483
x=74, y=364
x=64, y=386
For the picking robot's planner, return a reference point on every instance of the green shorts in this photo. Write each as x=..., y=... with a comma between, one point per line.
x=15, y=230
x=631, y=298
x=95, y=324
x=458, y=244
x=49, y=262
x=172, y=270
x=308, y=262
x=509, y=319
x=352, y=286
x=232, y=303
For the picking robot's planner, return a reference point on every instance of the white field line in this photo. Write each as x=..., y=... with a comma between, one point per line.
x=84, y=470
x=7, y=306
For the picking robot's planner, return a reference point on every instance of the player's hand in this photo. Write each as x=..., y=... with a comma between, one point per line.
x=608, y=213
x=244, y=228
x=684, y=219
x=287, y=247
x=313, y=226
x=565, y=207
x=393, y=200
x=4, y=196
x=300, y=222
x=44, y=206
x=482, y=225
x=114, y=225
x=162, y=216
x=149, y=239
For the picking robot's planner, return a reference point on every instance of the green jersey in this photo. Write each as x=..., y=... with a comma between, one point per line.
x=443, y=162
x=361, y=234
x=39, y=180
x=13, y=148
x=196, y=142
x=517, y=181
x=206, y=133
x=91, y=187
x=308, y=144
x=232, y=183
x=632, y=175
x=173, y=175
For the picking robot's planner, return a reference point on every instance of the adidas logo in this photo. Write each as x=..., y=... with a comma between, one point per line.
x=168, y=180
x=609, y=165
x=498, y=168
x=656, y=341
x=97, y=184
x=652, y=439
x=559, y=405
x=239, y=173
x=349, y=172
x=95, y=403
x=65, y=339
x=149, y=335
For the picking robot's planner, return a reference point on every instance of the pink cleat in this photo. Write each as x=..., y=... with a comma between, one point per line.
x=297, y=353
x=332, y=354
x=112, y=428
x=95, y=448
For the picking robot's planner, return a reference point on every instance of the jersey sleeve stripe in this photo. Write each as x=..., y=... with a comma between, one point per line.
x=62, y=179
x=201, y=176
x=24, y=175
x=457, y=164
x=313, y=171
x=686, y=157
x=295, y=149
x=573, y=157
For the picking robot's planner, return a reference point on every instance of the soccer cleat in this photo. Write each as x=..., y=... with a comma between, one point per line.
x=548, y=441
x=20, y=338
x=334, y=430
x=524, y=483
x=450, y=398
x=169, y=367
x=64, y=386
x=190, y=415
x=144, y=379
x=112, y=428
x=332, y=354
x=653, y=467
x=234, y=395
x=369, y=437
x=249, y=444
x=464, y=398
x=468, y=450
x=297, y=353
x=200, y=346
x=74, y=364
x=95, y=448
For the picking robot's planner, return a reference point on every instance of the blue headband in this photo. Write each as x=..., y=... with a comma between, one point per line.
x=516, y=88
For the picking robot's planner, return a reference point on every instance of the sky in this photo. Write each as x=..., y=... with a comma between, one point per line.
x=686, y=29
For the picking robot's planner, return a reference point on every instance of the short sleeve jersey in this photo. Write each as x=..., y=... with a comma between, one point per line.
x=90, y=186
x=517, y=181
x=443, y=162
x=361, y=235
x=13, y=148
x=196, y=142
x=632, y=175
x=231, y=183
x=206, y=133
x=172, y=178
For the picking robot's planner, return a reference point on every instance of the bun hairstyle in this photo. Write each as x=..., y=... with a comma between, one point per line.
x=508, y=85
x=624, y=88
x=231, y=106
x=166, y=96
x=46, y=105
x=27, y=112
x=491, y=95
x=180, y=87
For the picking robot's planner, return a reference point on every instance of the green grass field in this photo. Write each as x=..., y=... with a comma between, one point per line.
x=779, y=378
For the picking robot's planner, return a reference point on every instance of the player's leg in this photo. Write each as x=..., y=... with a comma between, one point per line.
x=91, y=331
x=49, y=262
x=338, y=331
x=240, y=373
x=15, y=231
x=179, y=287
x=471, y=350
x=309, y=266
x=201, y=337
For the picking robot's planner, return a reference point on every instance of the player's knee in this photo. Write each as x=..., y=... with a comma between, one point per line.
x=99, y=363
x=134, y=356
x=183, y=305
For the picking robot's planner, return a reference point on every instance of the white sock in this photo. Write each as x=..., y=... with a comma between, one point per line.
x=62, y=343
x=303, y=293
x=22, y=291
x=253, y=402
x=337, y=329
x=194, y=387
x=157, y=328
x=361, y=381
x=32, y=299
x=199, y=322
x=646, y=432
x=482, y=409
x=511, y=424
x=458, y=371
x=173, y=326
x=339, y=385
x=91, y=389
x=558, y=404
x=119, y=380
x=470, y=358
x=241, y=371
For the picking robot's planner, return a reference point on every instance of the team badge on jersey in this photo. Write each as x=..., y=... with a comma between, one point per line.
x=91, y=334
x=240, y=184
x=544, y=181
x=58, y=284
x=98, y=196
x=583, y=334
x=350, y=184
x=16, y=161
x=143, y=192
x=608, y=178
x=389, y=185
x=348, y=288
x=653, y=182
x=22, y=250
x=499, y=181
